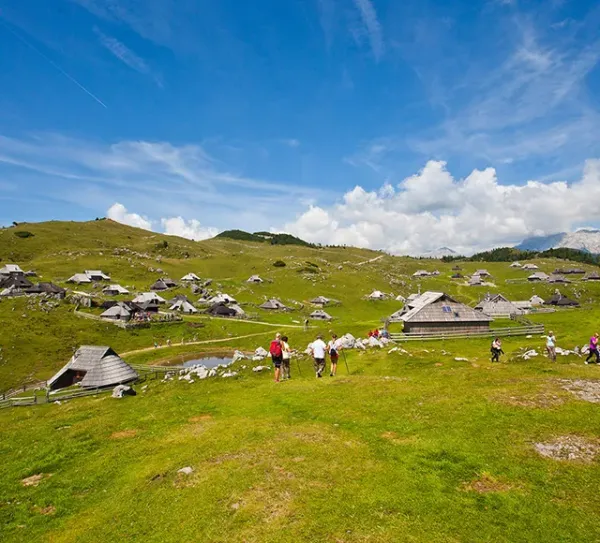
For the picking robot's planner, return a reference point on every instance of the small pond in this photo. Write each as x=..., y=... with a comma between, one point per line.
x=208, y=361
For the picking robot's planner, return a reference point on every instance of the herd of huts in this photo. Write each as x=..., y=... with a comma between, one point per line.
x=422, y=313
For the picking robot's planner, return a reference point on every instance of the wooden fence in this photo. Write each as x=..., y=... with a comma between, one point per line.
x=492, y=332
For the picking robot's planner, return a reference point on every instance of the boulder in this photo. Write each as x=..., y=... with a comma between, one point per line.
x=258, y=369
x=230, y=374
x=238, y=355
x=393, y=350
x=348, y=341
x=122, y=390
x=261, y=352
x=374, y=342
x=186, y=471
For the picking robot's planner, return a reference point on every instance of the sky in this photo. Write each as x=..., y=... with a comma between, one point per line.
x=404, y=126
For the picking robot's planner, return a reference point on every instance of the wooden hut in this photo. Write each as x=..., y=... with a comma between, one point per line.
x=94, y=367
x=496, y=305
x=436, y=312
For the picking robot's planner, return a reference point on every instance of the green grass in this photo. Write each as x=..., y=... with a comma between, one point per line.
x=393, y=452
x=386, y=454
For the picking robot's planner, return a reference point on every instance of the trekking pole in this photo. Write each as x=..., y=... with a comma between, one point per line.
x=346, y=361
x=298, y=362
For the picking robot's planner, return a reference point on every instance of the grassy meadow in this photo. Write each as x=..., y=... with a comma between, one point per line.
x=409, y=446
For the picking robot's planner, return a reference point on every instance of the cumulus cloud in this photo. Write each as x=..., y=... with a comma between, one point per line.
x=432, y=209
x=192, y=229
x=118, y=212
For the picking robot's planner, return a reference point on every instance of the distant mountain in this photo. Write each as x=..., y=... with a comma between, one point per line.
x=264, y=237
x=586, y=240
x=440, y=253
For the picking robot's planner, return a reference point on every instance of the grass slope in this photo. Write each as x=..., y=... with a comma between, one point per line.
x=401, y=450
x=416, y=447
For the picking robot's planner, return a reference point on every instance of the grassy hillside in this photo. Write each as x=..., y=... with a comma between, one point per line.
x=407, y=447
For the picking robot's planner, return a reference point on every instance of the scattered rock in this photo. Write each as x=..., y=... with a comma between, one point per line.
x=34, y=480
x=588, y=391
x=261, y=352
x=48, y=510
x=459, y=359
x=569, y=448
x=122, y=390
x=230, y=374
x=186, y=471
x=393, y=350
x=238, y=355
x=260, y=368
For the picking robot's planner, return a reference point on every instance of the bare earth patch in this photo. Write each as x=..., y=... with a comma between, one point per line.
x=123, y=434
x=399, y=440
x=485, y=484
x=48, y=510
x=34, y=480
x=542, y=400
x=569, y=448
x=588, y=391
x=200, y=418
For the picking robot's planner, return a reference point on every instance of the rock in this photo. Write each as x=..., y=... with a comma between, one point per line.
x=230, y=374
x=122, y=390
x=360, y=345
x=238, y=355
x=258, y=358
x=529, y=336
x=348, y=341
x=460, y=359
x=261, y=352
x=257, y=369
x=186, y=471
x=530, y=354
x=374, y=342
x=395, y=349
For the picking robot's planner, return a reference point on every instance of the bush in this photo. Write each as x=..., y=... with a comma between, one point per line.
x=279, y=264
x=24, y=234
x=162, y=245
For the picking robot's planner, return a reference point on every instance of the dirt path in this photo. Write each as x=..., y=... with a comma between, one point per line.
x=371, y=260
x=203, y=342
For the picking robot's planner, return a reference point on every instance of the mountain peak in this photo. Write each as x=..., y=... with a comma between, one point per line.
x=584, y=239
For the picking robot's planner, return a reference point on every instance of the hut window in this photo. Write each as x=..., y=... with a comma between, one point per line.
x=446, y=309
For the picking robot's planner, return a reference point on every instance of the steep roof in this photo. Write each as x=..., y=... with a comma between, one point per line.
x=222, y=310
x=496, y=304
x=273, y=304
x=119, y=310
x=102, y=365
x=190, y=277
x=79, y=278
x=439, y=307
x=115, y=288
x=148, y=297
x=377, y=295
x=255, y=279
x=320, y=314
x=538, y=276
x=45, y=288
x=320, y=300
x=184, y=306
x=10, y=269
x=96, y=273
x=530, y=267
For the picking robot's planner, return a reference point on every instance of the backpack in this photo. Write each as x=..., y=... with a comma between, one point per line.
x=275, y=349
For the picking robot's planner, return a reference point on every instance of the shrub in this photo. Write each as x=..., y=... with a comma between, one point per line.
x=279, y=264
x=24, y=234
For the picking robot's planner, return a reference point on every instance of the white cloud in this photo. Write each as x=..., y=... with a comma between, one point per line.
x=372, y=26
x=192, y=229
x=432, y=209
x=126, y=55
x=118, y=212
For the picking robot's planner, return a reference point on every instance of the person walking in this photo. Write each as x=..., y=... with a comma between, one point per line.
x=551, y=346
x=276, y=352
x=286, y=355
x=317, y=349
x=496, y=350
x=593, y=350
x=333, y=348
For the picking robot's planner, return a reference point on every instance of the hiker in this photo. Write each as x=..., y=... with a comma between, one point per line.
x=551, y=346
x=496, y=350
x=168, y=342
x=317, y=349
x=286, y=355
x=593, y=350
x=376, y=333
x=276, y=352
x=306, y=325
x=370, y=334
x=333, y=348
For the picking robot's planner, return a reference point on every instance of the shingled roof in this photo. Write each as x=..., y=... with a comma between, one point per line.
x=439, y=307
x=101, y=366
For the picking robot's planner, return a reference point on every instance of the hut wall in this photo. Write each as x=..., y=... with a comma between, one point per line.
x=441, y=327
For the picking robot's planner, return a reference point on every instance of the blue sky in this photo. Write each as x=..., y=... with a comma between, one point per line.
x=398, y=125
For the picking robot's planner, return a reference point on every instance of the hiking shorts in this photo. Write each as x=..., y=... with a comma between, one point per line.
x=334, y=358
x=277, y=360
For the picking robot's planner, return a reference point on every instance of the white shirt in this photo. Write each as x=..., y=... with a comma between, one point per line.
x=333, y=345
x=318, y=348
x=285, y=350
x=550, y=341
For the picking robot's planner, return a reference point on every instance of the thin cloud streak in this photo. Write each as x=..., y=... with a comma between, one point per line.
x=369, y=18
x=126, y=55
x=53, y=64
